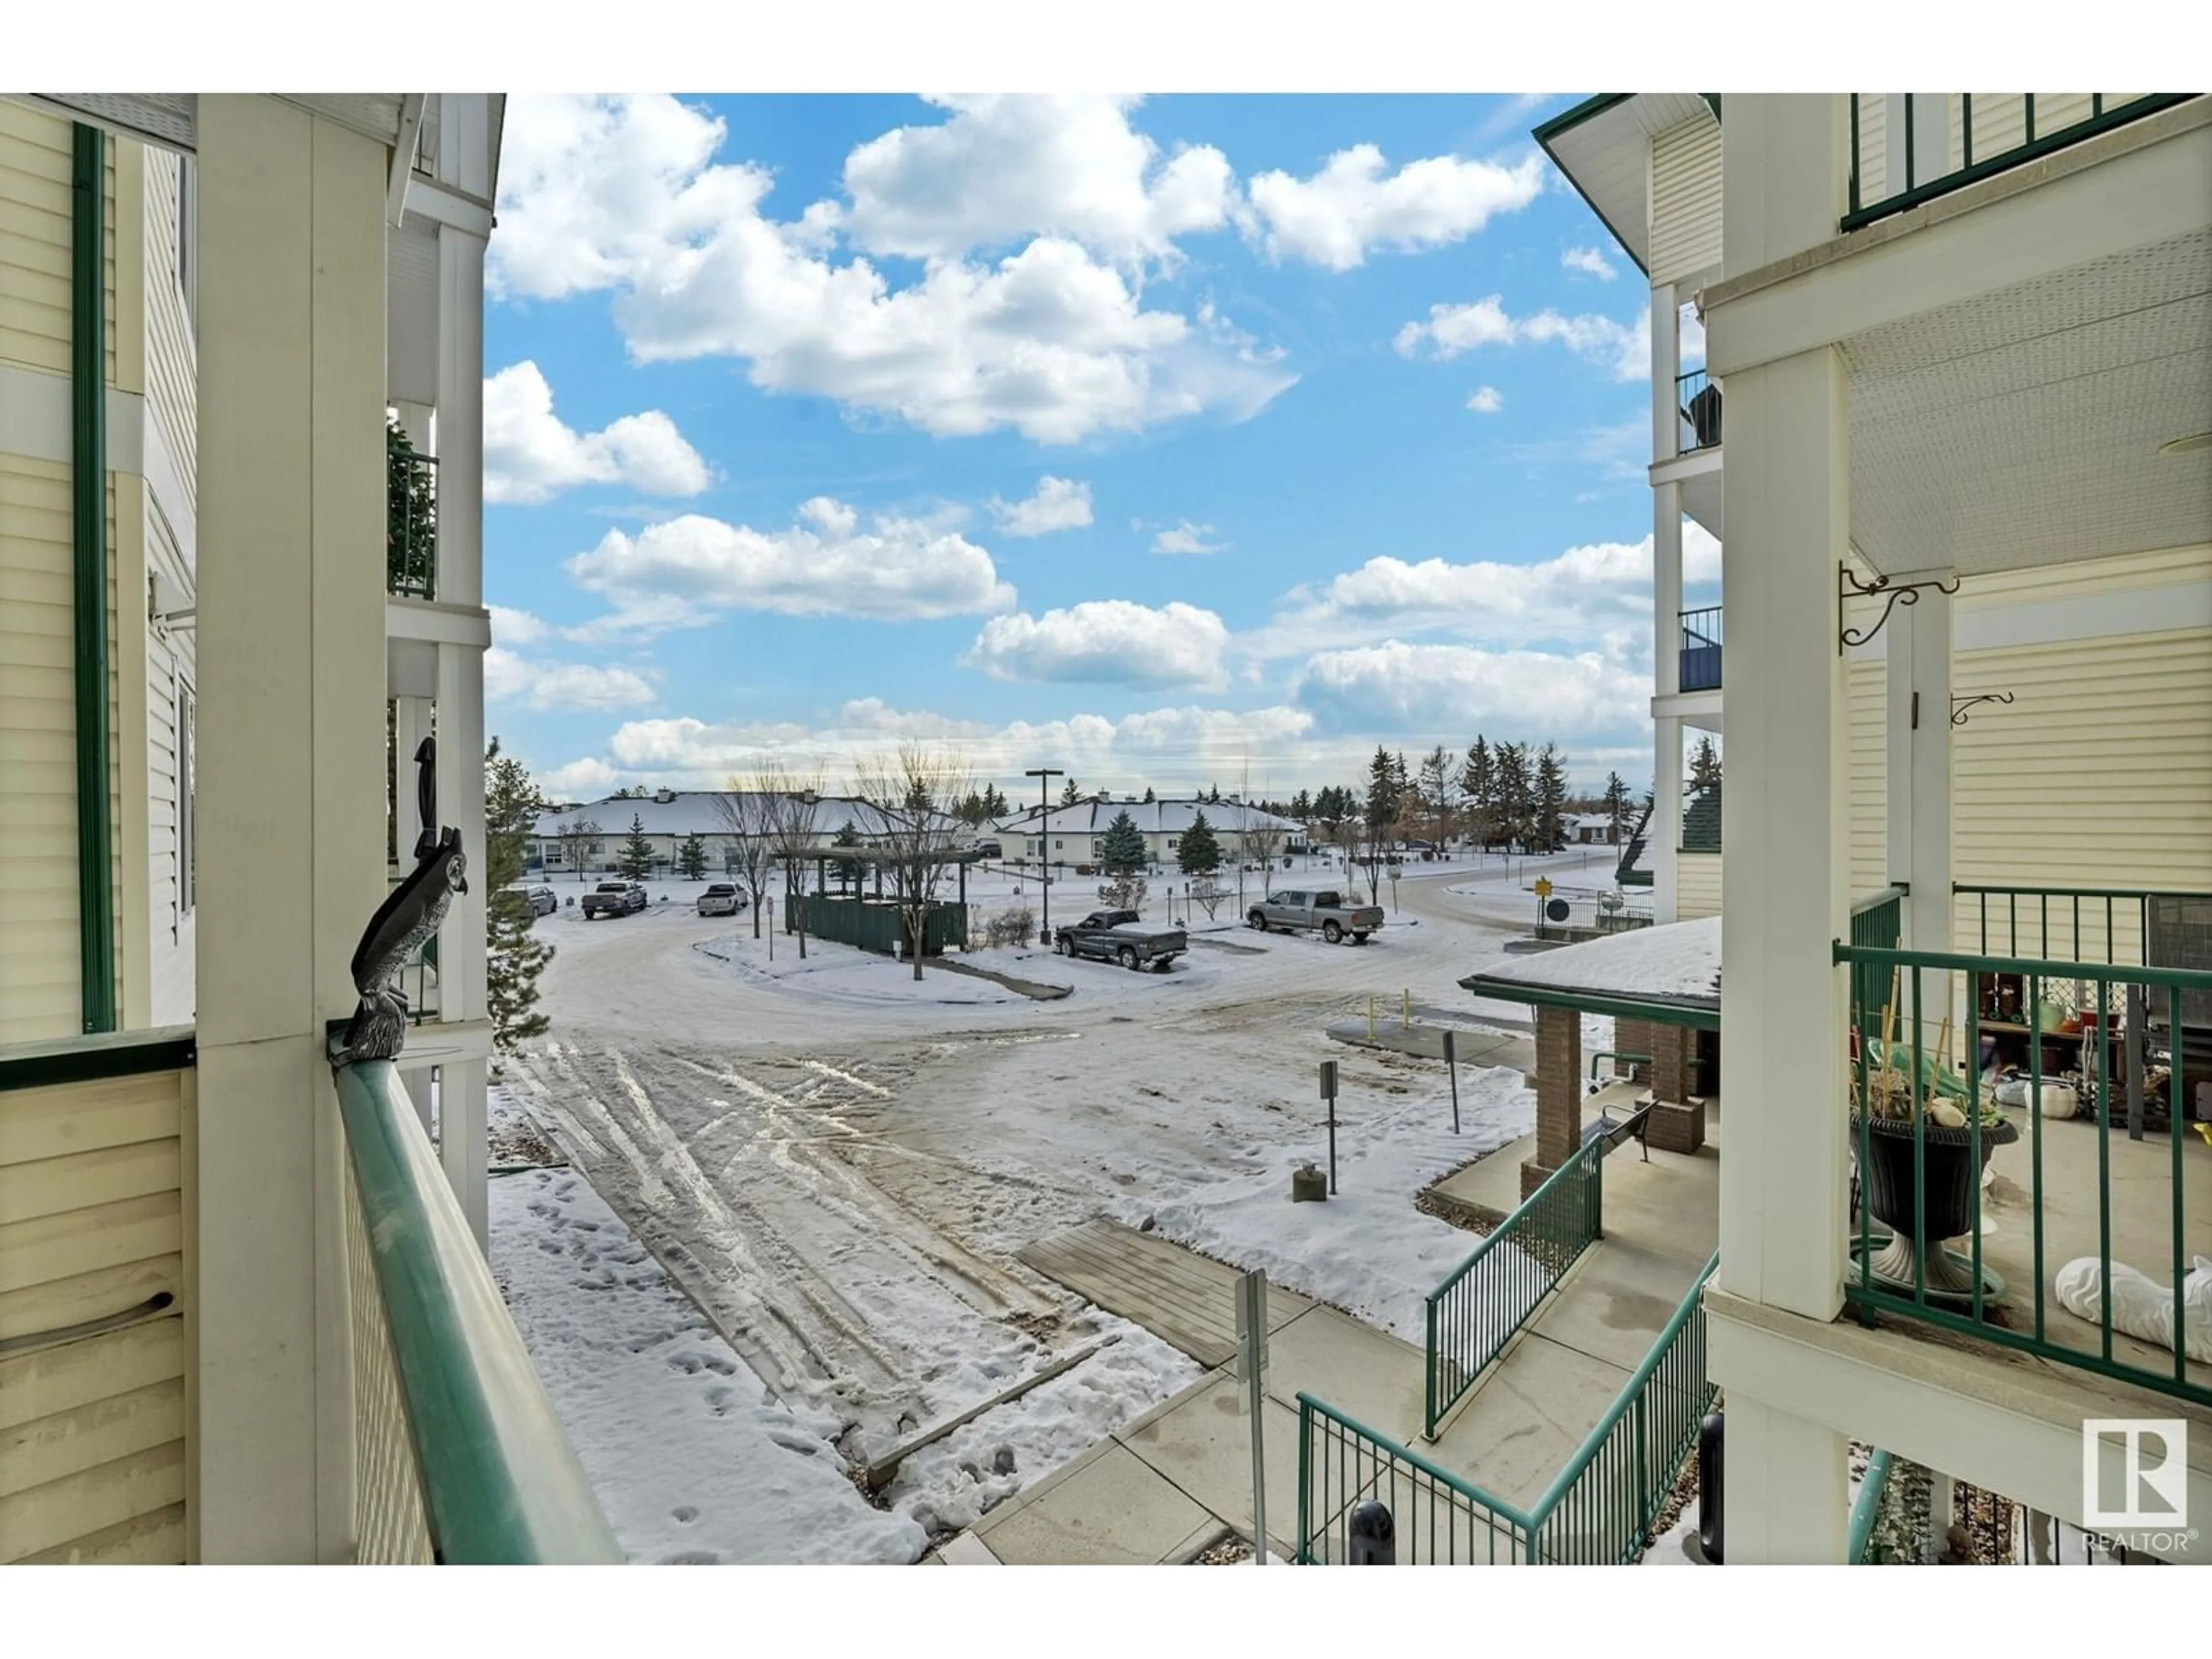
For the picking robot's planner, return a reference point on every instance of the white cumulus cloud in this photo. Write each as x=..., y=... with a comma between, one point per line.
x=1590, y=261
x=563, y=686
x=624, y=195
x=681, y=571
x=1058, y=504
x=530, y=455
x=1624, y=349
x=511, y=627
x=1003, y=168
x=1455, y=688
x=1485, y=400
x=1350, y=208
x=1112, y=641
x=1187, y=538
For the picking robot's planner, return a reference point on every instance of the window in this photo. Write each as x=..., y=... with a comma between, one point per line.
x=1173, y=843
x=187, y=709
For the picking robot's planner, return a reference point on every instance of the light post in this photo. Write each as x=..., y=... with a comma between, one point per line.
x=1044, y=776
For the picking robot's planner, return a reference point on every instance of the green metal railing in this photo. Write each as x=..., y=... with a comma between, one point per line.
x=410, y=535
x=1701, y=415
x=1437, y=1518
x=1490, y=1296
x=2065, y=119
x=460, y=1457
x=2120, y=926
x=1599, y=1509
x=1866, y=1509
x=1933, y=986
x=1878, y=922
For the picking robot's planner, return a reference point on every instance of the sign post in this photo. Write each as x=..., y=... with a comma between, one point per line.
x=1328, y=1094
x=1252, y=1369
x=1543, y=891
x=1451, y=1065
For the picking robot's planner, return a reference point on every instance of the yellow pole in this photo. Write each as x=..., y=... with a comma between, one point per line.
x=1370, y=1019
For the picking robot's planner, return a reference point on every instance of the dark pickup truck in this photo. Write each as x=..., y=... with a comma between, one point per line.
x=613, y=899
x=1121, y=936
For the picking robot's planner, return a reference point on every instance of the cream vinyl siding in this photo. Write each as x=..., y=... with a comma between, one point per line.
x=35, y=218
x=1697, y=885
x=172, y=352
x=2000, y=123
x=92, y=1431
x=1686, y=200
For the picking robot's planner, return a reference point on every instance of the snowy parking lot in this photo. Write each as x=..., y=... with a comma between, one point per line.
x=835, y=1166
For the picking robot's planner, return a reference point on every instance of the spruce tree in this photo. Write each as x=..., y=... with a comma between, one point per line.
x=1615, y=802
x=513, y=955
x=691, y=857
x=410, y=515
x=1199, y=851
x=1302, y=806
x=635, y=859
x=1705, y=767
x=1550, y=798
x=849, y=870
x=1514, y=796
x=1122, y=853
x=1477, y=784
x=1067, y=795
x=1148, y=795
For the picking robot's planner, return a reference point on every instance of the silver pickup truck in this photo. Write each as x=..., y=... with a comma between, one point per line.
x=1119, y=936
x=1325, y=909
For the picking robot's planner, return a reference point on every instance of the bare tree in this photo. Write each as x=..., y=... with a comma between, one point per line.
x=791, y=805
x=744, y=820
x=914, y=795
x=1263, y=841
x=580, y=836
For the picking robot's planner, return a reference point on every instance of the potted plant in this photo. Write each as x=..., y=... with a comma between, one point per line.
x=1916, y=1139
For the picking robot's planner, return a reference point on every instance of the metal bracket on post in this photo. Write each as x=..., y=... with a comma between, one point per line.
x=1960, y=705
x=1849, y=587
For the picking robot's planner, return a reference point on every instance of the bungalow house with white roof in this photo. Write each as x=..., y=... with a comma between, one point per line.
x=1077, y=834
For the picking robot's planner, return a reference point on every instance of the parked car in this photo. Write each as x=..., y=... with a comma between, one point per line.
x=1121, y=936
x=988, y=850
x=1324, y=909
x=544, y=902
x=613, y=899
x=722, y=899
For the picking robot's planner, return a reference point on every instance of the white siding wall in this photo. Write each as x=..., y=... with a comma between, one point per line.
x=171, y=354
x=1686, y=200
x=1697, y=885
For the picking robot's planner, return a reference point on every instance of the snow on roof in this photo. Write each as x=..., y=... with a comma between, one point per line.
x=1680, y=960
x=1171, y=818
x=692, y=811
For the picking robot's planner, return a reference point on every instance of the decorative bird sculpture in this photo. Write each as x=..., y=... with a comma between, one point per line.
x=410, y=914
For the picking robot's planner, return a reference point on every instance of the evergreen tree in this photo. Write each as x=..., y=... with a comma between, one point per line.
x=1199, y=851
x=1705, y=767
x=513, y=955
x=410, y=515
x=1148, y=795
x=1551, y=832
x=1478, y=785
x=849, y=870
x=691, y=857
x=636, y=859
x=1122, y=853
x=1514, y=811
x=1302, y=806
x=1436, y=791
x=1067, y=795
x=1614, y=802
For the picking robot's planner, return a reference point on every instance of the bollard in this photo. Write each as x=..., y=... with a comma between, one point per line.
x=1709, y=1488
x=1406, y=1008
x=1374, y=1537
x=1370, y=1019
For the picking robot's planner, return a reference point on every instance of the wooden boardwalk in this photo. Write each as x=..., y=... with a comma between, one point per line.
x=1179, y=1296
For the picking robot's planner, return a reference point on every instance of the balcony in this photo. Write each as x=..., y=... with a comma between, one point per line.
x=1701, y=649
x=2031, y=1133
x=1699, y=401
x=410, y=540
x=1911, y=147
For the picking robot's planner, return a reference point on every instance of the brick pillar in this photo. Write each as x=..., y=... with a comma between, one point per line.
x=1672, y=1052
x=1633, y=1036
x=1559, y=1094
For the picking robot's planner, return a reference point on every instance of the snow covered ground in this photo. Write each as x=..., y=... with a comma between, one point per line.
x=841, y=1173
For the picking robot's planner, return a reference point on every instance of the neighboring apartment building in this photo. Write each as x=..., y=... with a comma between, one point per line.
x=100, y=906
x=1077, y=834
x=584, y=840
x=1966, y=509
x=244, y=1312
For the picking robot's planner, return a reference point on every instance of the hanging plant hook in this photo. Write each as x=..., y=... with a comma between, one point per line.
x=1960, y=705
x=1849, y=587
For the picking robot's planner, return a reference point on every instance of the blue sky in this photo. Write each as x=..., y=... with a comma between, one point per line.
x=1154, y=440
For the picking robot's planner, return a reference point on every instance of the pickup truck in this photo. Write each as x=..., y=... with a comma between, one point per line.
x=613, y=899
x=1325, y=909
x=1120, y=936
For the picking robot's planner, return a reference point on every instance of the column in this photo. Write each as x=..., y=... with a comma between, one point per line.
x=1664, y=833
x=1559, y=1095
x=1787, y=1483
x=1917, y=660
x=461, y=987
x=1666, y=364
x=1785, y=896
x=1666, y=588
x=290, y=802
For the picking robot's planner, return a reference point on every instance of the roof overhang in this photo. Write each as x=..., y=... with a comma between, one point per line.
x=171, y=119
x=1603, y=146
x=1696, y=1014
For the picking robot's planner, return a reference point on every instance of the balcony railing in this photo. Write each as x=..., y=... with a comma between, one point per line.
x=460, y=1457
x=1699, y=400
x=1473, y=1313
x=410, y=531
x=1438, y=1518
x=2083, y=1206
x=1701, y=649
x=1950, y=140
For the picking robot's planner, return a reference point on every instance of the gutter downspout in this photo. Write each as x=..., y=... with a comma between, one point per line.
x=88, y=502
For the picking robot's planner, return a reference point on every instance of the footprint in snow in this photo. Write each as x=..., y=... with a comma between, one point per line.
x=684, y=1513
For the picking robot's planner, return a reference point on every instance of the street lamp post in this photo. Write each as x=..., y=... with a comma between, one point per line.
x=1044, y=776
